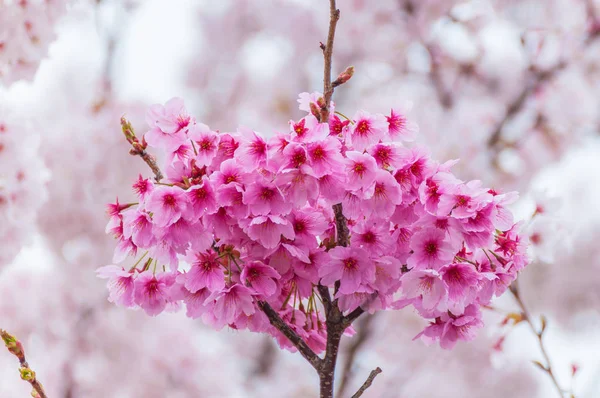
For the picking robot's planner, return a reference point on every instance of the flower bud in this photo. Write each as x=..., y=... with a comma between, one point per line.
x=27, y=374
x=345, y=75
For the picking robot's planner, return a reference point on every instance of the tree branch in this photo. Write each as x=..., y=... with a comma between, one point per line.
x=15, y=347
x=514, y=289
x=368, y=382
x=288, y=332
x=334, y=16
x=364, y=332
x=139, y=149
x=539, y=78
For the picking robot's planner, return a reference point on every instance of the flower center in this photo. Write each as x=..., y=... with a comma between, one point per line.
x=362, y=127
x=431, y=248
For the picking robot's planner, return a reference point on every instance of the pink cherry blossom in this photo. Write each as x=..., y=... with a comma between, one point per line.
x=260, y=277
x=167, y=205
x=151, y=292
x=120, y=284
x=349, y=265
x=206, y=272
x=367, y=129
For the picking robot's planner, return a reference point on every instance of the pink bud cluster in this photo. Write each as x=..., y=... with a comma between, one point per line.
x=26, y=31
x=241, y=219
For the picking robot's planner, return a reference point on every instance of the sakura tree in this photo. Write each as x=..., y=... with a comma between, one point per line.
x=299, y=235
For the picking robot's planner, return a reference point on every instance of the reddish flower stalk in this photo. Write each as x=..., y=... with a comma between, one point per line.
x=15, y=347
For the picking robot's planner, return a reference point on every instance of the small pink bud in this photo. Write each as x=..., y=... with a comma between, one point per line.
x=345, y=75
x=315, y=110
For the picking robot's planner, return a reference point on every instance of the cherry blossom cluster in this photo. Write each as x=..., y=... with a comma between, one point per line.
x=240, y=220
x=26, y=31
x=22, y=178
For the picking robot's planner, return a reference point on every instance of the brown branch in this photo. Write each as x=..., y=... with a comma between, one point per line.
x=334, y=16
x=341, y=226
x=364, y=332
x=15, y=347
x=547, y=367
x=368, y=382
x=539, y=78
x=444, y=95
x=288, y=332
x=139, y=149
x=266, y=360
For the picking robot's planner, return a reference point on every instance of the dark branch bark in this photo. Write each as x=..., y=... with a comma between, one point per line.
x=367, y=383
x=363, y=334
x=288, y=332
x=341, y=225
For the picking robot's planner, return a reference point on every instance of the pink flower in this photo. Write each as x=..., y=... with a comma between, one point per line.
x=310, y=271
x=449, y=329
x=462, y=280
x=399, y=127
x=325, y=157
x=361, y=169
x=263, y=197
x=373, y=237
x=252, y=152
x=137, y=225
x=384, y=195
x=120, y=284
x=337, y=127
x=167, y=125
x=151, y=292
x=425, y=285
x=298, y=187
x=367, y=129
x=167, y=205
x=230, y=303
x=308, y=129
x=201, y=199
x=206, y=272
x=349, y=265
x=229, y=172
x=462, y=201
x=431, y=190
x=295, y=156
x=260, y=277
x=206, y=143
x=308, y=225
x=332, y=188
x=268, y=230
x=143, y=187
x=386, y=155
x=195, y=303
x=430, y=250
x=170, y=118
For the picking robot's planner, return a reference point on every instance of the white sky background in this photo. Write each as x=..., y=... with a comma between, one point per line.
x=151, y=67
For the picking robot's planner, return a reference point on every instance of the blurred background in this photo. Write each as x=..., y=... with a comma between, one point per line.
x=511, y=87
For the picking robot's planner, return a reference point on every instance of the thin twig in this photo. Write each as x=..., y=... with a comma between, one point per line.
x=364, y=332
x=139, y=148
x=368, y=382
x=15, y=347
x=288, y=332
x=334, y=16
x=539, y=78
x=547, y=367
